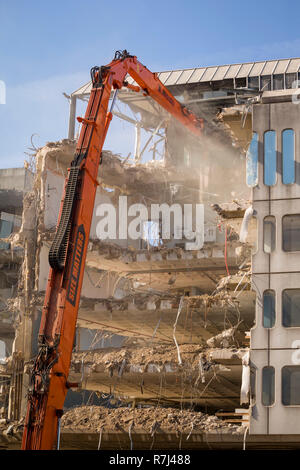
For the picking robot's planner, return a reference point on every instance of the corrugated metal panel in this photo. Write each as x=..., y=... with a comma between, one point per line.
x=173, y=77
x=83, y=89
x=269, y=67
x=209, y=73
x=220, y=73
x=256, y=69
x=232, y=71
x=197, y=75
x=293, y=66
x=281, y=66
x=163, y=76
x=244, y=70
x=186, y=74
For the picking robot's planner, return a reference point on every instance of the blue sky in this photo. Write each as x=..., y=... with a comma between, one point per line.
x=47, y=48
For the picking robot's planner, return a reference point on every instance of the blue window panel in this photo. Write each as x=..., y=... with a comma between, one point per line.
x=288, y=156
x=270, y=158
x=269, y=309
x=252, y=162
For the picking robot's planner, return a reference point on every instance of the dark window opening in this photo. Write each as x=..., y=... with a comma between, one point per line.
x=253, y=82
x=289, y=79
x=290, y=385
x=241, y=82
x=268, y=386
x=291, y=232
x=291, y=308
x=278, y=81
x=265, y=82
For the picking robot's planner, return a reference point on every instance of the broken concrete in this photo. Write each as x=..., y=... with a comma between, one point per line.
x=151, y=420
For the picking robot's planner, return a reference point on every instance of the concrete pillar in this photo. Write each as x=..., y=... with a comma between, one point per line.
x=22, y=346
x=72, y=117
x=137, y=147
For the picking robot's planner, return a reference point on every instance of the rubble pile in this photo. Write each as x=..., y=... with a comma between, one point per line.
x=93, y=418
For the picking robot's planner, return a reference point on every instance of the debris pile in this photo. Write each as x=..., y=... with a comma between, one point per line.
x=150, y=420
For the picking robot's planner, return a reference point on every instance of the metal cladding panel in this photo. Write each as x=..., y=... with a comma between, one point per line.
x=293, y=66
x=197, y=75
x=220, y=73
x=244, y=70
x=281, y=66
x=256, y=69
x=269, y=67
x=209, y=73
x=163, y=76
x=85, y=89
x=232, y=71
x=184, y=77
x=172, y=79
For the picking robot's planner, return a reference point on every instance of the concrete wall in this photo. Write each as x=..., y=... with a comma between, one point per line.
x=278, y=270
x=19, y=179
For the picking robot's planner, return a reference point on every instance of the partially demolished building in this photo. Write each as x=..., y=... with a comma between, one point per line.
x=209, y=327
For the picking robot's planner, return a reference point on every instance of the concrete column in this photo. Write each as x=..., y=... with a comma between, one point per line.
x=137, y=147
x=72, y=117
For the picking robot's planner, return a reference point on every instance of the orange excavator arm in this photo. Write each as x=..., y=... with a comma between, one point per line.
x=49, y=378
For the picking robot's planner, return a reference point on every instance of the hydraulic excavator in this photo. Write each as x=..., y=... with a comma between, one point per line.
x=49, y=376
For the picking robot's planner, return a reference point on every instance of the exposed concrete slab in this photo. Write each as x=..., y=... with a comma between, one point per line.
x=17, y=179
x=196, y=323
x=155, y=375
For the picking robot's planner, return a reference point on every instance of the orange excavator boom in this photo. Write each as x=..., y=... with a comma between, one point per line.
x=49, y=378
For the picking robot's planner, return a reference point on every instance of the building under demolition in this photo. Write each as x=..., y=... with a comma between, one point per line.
x=179, y=344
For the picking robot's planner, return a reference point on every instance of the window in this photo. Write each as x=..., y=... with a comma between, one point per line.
x=288, y=156
x=270, y=158
x=240, y=82
x=253, y=82
x=278, y=81
x=252, y=162
x=290, y=385
x=291, y=307
x=265, y=82
x=269, y=308
x=269, y=233
x=268, y=386
x=289, y=79
x=291, y=232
